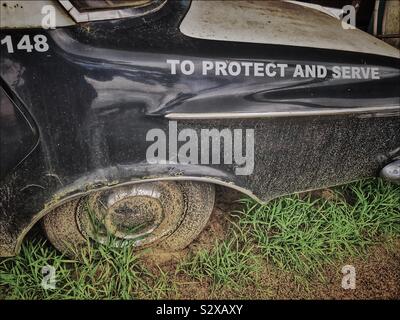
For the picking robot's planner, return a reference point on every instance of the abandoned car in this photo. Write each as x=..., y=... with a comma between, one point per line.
x=127, y=114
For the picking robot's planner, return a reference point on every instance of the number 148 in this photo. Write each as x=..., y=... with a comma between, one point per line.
x=39, y=43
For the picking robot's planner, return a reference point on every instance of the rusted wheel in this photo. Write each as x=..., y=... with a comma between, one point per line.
x=165, y=214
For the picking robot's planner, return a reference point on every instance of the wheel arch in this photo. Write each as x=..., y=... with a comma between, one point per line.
x=77, y=190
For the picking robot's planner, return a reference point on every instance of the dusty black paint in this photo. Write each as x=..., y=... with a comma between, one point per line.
x=102, y=85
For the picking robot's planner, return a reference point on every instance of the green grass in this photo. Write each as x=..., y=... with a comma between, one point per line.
x=302, y=234
x=105, y=273
x=297, y=234
x=21, y=276
x=226, y=265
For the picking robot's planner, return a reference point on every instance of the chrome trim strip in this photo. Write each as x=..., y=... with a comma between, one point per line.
x=277, y=114
x=110, y=14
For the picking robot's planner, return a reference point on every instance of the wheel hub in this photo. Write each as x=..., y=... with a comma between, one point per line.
x=142, y=213
x=133, y=217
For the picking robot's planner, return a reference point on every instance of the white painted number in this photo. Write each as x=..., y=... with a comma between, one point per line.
x=7, y=40
x=39, y=43
x=25, y=44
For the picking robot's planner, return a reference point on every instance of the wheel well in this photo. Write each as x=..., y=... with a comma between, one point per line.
x=72, y=192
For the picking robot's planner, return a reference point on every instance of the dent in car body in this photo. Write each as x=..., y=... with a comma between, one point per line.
x=103, y=85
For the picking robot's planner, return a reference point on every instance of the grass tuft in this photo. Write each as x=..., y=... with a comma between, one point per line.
x=105, y=272
x=301, y=235
x=226, y=265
